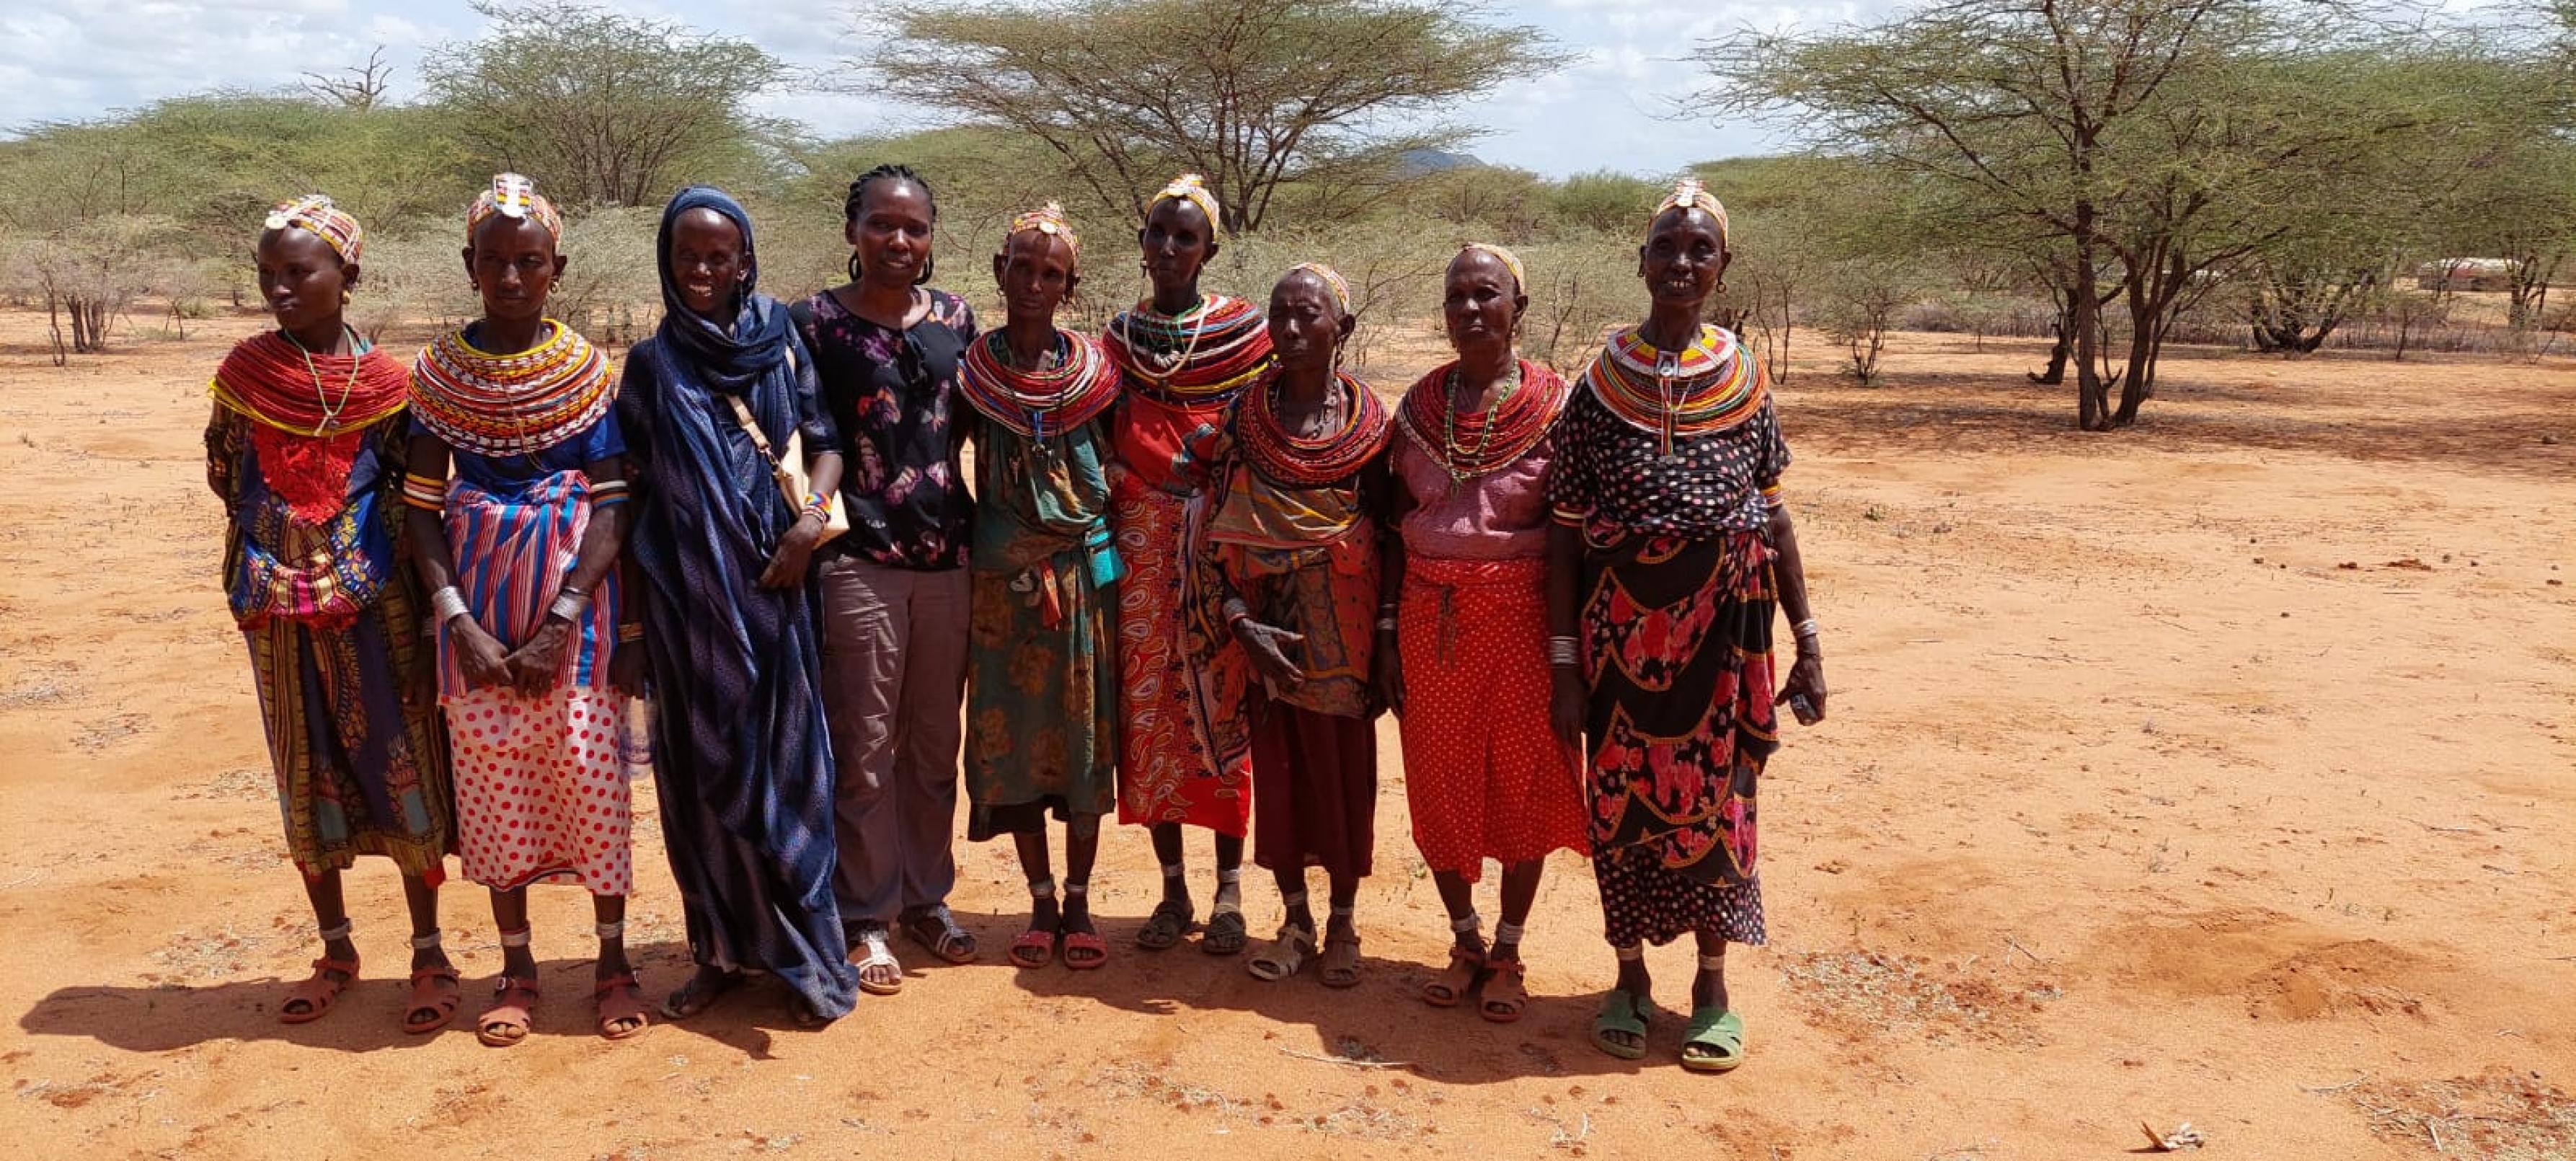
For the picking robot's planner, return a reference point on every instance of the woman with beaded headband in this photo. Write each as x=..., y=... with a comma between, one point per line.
x=1466, y=645
x=1041, y=661
x=518, y=549
x=716, y=407
x=1671, y=549
x=305, y=449
x=1293, y=561
x=890, y=350
x=1184, y=755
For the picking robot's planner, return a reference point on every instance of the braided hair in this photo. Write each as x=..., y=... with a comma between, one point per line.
x=896, y=173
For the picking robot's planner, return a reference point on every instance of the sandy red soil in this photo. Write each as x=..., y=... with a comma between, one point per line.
x=2222, y=770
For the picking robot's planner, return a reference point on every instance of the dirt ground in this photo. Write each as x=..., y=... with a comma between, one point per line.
x=2222, y=770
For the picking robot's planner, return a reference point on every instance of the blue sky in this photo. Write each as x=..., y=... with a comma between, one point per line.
x=1608, y=109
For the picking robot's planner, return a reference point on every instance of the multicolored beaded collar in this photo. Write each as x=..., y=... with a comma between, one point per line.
x=1708, y=387
x=1199, y=358
x=1037, y=404
x=1468, y=446
x=515, y=404
x=1297, y=462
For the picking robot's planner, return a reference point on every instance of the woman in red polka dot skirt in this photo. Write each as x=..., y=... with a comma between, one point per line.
x=518, y=551
x=1486, y=775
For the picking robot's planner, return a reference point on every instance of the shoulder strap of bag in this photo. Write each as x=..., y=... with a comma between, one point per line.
x=751, y=427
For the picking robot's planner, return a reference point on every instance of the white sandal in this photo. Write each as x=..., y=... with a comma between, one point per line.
x=873, y=941
x=1284, y=955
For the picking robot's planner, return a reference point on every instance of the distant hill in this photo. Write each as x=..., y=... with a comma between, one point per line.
x=1418, y=162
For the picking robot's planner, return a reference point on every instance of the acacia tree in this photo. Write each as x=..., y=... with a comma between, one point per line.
x=1253, y=94
x=603, y=109
x=2133, y=148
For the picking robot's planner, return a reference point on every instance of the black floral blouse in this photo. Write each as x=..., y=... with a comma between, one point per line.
x=894, y=395
x=1610, y=469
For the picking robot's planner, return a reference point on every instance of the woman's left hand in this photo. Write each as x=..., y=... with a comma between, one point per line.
x=787, y=568
x=1807, y=678
x=535, y=665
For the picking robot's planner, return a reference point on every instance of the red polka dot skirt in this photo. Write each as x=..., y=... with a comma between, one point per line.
x=1486, y=777
x=541, y=795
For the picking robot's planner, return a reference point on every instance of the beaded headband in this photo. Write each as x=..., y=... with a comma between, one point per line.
x=516, y=198
x=1510, y=261
x=1331, y=278
x=315, y=213
x=1689, y=194
x=1049, y=220
x=1191, y=188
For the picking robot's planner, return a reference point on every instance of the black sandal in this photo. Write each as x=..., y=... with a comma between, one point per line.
x=1164, y=928
x=1226, y=932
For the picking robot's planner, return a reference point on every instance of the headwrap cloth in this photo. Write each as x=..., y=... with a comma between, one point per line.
x=315, y=213
x=516, y=198
x=1510, y=261
x=726, y=359
x=1331, y=278
x=1689, y=194
x=1191, y=188
x=1049, y=220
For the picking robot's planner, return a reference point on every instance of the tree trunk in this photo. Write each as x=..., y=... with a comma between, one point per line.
x=54, y=320
x=2056, y=372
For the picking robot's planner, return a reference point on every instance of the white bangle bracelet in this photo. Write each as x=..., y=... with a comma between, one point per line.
x=569, y=604
x=446, y=604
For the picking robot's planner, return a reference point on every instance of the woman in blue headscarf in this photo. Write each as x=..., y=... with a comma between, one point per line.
x=719, y=559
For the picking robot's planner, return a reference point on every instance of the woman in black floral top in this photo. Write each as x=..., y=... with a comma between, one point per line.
x=1673, y=554
x=894, y=588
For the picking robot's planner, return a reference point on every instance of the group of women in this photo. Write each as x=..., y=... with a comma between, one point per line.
x=1197, y=559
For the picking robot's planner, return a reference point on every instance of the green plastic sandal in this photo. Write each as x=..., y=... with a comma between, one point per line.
x=1718, y=1036
x=1621, y=1011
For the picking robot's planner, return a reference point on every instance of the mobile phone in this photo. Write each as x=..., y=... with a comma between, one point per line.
x=1804, y=709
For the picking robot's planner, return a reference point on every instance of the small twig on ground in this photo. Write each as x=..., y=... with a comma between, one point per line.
x=2015, y=944
x=2444, y=829
x=2436, y=1130
x=1323, y=1059
x=2358, y=1076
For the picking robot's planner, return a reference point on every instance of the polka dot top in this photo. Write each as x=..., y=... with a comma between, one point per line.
x=1607, y=468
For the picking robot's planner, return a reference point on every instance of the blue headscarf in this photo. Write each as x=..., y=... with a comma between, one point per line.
x=758, y=342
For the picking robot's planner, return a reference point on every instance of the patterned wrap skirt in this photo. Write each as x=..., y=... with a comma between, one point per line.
x=1485, y=775
x=1677, y=651
x=541, y=792
x=1184, y=754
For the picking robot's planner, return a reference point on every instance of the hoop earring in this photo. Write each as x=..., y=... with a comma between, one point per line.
x=854, y=265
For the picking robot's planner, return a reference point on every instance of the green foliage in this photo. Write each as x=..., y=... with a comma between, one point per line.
x=606, y=109
x=1604, y=201
x=1257, y=95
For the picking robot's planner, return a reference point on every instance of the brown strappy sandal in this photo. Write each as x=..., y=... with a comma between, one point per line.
x=436, y=990
x=1505, y=992
x=620, y=998
x=509, y=1013
x=1466, y=970
x=318, y=991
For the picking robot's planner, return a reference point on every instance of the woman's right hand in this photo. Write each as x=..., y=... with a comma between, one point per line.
x=1565, y=704
x=1390, y=674
x=1264, y=644
x=482, y=658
